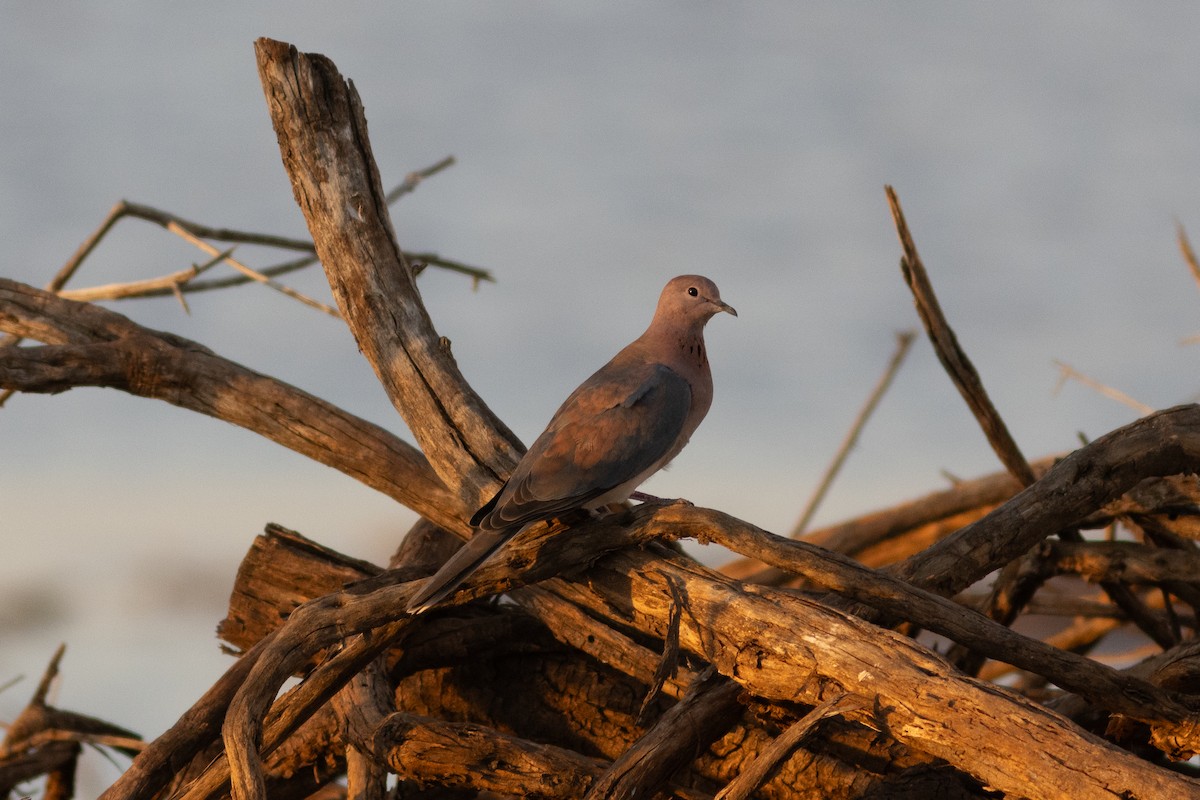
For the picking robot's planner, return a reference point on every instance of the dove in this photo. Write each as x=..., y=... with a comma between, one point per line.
x=623, y=424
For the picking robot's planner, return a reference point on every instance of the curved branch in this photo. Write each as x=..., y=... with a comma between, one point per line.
x=92, y=346
x=775, y=644
x=1102, y=685
x=947, y=509
x=791, y=649
x=434, y=751
x=1162, y=444
x=1128, y=562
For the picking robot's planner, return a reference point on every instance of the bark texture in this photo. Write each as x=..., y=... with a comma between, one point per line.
x=622, y=667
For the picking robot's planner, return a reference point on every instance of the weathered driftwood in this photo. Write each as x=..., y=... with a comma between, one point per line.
x=602, y=723
x=86, y=345
x=46, y=741
x=872, y=538
x=322, y=134
x=629, y=668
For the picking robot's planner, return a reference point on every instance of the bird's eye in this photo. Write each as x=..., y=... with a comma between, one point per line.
x=692, y=291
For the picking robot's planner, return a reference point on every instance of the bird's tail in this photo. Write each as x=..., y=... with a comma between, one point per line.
x=468, y=558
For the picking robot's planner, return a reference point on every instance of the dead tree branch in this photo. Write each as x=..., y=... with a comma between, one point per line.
x=319, y=121
x=90, y=346
x=1163, y=444
x=622, y=666
x=954, y=359
x=903, y=343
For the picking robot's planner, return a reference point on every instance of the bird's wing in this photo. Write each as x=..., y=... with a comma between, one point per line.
x=621, y=423
x=468, y=558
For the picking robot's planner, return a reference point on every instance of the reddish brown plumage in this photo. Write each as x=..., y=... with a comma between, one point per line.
x=620, y=426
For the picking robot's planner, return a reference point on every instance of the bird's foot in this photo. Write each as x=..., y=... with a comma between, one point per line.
x=642, y=497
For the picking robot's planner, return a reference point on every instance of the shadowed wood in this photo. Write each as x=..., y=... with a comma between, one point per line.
x=543, y=693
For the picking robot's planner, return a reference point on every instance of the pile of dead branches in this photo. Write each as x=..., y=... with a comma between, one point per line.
x=805, y=670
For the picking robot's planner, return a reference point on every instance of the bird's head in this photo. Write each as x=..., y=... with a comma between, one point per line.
x=691, y=299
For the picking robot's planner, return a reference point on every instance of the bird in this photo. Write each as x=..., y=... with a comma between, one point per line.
x=623, y=424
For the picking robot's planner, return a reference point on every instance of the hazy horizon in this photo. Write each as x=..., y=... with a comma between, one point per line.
x=1043, y=155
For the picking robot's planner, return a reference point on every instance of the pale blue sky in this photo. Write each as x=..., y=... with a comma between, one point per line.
x=1043, y=154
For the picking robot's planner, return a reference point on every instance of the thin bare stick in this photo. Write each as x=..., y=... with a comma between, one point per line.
x=759, y=770
x=67, y=270
x=249, y=273
x=182, y=300
x=1066, y=372
x=413, y=179
x=43, y=688
x=903, y=343
x=954, y=359
x=166, y=285
x=477, y=274
x=1189, y=255
x=171, y=283
x=1079, y=635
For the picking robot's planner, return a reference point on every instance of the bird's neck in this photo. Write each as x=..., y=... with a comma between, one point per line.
x=686, y=343
x=691, y=346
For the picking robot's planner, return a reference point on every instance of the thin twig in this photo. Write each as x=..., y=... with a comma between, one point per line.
x=953, y=358
x=1066, y=372
x=903, y=343
x=171, y=285
x=756, y=773
x=1189, y=258
x=668, y=665
x=163, y=283
x=476, y=274
x=66, y=271
x=47, y=681
x=159, y=287
x=164, y=219
x=179, y=231
x=1189, y=255
x=413, y=179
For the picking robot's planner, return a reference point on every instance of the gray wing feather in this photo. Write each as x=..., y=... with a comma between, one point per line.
x=478, y=549
x=620, y=423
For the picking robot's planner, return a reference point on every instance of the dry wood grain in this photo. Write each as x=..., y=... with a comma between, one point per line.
x=945, y=343
x=759, y=648
x=547, y=696
x=706, y=712
x=790, y=649
x=1163, y=444
x=92, y=346
x=425, y=749
x=322, y=132
x=476, y=648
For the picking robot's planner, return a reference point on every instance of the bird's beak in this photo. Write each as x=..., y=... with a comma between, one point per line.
x=723, y=306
